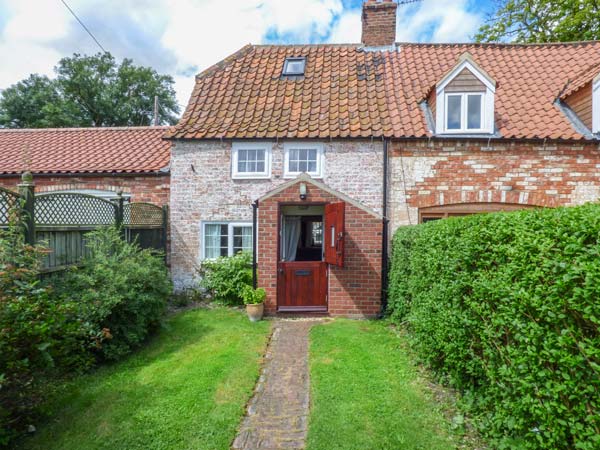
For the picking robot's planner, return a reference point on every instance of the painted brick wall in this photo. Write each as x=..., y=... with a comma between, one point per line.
x=431, y=173
x=355, y=289
x=152, y=189
x=202, y=189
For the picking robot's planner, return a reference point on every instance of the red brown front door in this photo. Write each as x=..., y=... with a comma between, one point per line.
x=302, y=286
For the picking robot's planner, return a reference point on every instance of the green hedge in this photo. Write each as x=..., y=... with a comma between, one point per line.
x=506, y=308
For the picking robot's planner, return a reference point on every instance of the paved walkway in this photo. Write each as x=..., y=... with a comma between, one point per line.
x=277, y=415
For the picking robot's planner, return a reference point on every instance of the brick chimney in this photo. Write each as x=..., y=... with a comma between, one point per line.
x=379, y=23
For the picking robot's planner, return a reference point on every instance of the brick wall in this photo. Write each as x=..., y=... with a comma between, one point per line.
x=355, y=289
x=379, y=23
x=148, y=188
x=202, y=189
x=443, y=172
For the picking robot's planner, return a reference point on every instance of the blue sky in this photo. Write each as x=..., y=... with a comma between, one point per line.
x=182, y=37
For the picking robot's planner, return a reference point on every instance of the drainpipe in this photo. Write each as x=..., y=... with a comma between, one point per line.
x=254, y=241
x=384, y=244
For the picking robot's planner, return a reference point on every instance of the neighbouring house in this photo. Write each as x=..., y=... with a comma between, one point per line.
x=312, y=155
x=97, y=161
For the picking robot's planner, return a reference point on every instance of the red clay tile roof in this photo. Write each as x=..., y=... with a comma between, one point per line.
x=580, y=80
x=347, y=92
x=84, y=150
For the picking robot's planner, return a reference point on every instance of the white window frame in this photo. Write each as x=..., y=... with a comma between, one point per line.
x=230, y=226
x=596, y=105
x=487, y=107
x=464, y=112
x=288, y=61
x=237, y=146
x=304, y=145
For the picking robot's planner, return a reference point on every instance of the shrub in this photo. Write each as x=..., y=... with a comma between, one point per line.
x=505, y=307
x=39, y=336
x=252, y=296
x=224, y=278
x=121, y=289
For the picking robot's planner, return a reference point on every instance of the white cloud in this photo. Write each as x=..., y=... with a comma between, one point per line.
x=183, y=37
x=348, y=28
x=437, y=21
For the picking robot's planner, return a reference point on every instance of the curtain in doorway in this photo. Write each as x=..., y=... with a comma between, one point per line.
x=291, y=237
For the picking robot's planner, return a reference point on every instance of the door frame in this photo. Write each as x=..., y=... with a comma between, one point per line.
x=280, y=206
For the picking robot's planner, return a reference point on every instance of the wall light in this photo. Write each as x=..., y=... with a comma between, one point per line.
x=302, y=191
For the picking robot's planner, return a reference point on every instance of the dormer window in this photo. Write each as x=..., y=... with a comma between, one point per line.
x=294, y=66
x=464, y=112
x=596, y=105
x=465, y=100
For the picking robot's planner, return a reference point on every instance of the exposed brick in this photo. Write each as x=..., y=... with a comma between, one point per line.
x=434, y=173
x=208, y=193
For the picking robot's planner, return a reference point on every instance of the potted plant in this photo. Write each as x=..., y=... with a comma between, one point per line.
x=254, y=300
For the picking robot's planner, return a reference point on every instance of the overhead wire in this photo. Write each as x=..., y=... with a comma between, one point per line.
x=83, y=25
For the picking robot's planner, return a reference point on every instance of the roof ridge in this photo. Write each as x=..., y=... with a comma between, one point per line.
x=323, y=44
x=498, y=44
x=73, y=129
x=246, y=49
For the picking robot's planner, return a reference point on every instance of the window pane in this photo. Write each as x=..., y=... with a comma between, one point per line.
x=454, y=113
x=251, y=160
x=303, y=160
x=474, y=111
x=213, y=240
x=242, y=239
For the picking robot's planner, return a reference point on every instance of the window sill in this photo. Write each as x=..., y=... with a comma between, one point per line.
x=289, y=176
x=251, y=177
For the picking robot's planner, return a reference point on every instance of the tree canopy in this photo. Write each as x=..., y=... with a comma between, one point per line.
x=89, y=91
x=542, y=21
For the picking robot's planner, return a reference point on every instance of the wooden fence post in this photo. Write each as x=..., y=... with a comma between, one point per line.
x=119, y=211
x=27, y=191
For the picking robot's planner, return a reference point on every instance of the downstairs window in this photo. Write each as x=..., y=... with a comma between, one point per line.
x=225, y=239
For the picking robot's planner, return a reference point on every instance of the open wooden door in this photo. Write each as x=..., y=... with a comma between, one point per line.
x=334, y=232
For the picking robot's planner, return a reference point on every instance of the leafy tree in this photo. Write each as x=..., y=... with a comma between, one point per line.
x=36, y=102
x=542, y=21
x=90, y=91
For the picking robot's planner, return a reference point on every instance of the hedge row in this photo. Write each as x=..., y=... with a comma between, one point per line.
x=506, y=308
x=65, y=324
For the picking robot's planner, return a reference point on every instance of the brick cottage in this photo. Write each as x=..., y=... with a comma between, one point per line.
x=312, y=155
x=98, y=161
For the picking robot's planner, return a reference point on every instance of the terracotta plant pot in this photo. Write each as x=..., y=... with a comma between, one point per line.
x=255, y=312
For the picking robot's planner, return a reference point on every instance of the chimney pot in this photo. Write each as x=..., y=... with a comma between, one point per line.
x=379, y=23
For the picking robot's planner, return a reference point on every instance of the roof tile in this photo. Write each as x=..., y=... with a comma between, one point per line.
x=84, y=150
x=347, y=91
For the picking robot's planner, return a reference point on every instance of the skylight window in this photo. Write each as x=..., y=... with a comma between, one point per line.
x=294, y=66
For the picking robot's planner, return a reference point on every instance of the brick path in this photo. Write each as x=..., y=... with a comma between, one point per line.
x=277, y=415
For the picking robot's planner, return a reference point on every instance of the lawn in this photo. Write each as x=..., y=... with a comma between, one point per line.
x=186, y=390
x=366, y=394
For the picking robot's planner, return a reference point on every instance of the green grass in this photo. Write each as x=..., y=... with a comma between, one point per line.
x=366, y=394
x=186, y=390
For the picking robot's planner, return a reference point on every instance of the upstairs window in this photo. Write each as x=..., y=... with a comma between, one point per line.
x=596, y=105
x=294, y=66
x=303, y=158
x=251, y=160
x=465, y=100
x=464, y=112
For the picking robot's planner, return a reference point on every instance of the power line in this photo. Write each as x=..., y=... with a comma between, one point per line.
x=83, y=25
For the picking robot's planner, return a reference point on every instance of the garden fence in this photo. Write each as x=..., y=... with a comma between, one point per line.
x=60, y=221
